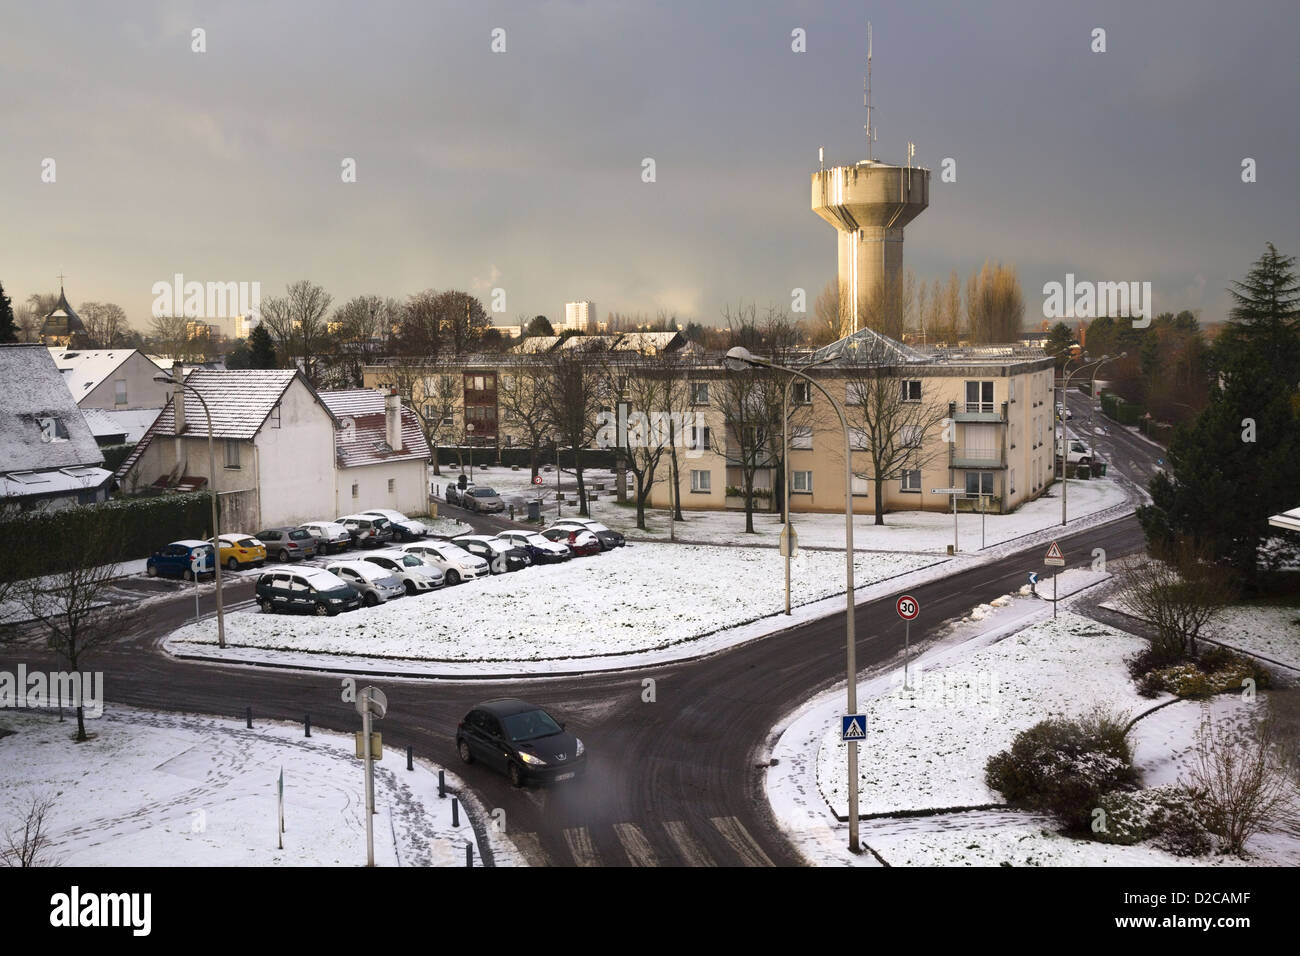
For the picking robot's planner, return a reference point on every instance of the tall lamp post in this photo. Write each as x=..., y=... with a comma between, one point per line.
x=1092, y=406
x=1065, y=432
x=212, y=472
x=740, y=359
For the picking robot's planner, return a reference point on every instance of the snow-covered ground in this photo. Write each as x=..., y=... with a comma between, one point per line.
x=170, y=790
x=993, y=674
x=648, y=597
x=1269, y=631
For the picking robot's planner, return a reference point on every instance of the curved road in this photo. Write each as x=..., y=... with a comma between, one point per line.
x=675, y=781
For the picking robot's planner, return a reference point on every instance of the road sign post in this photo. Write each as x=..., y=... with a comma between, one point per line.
x=954, y=492
x=371, y=702
x=853, y=728
x=1055, y=558
x=196, y=568
x=789, y=546
x=908, y=608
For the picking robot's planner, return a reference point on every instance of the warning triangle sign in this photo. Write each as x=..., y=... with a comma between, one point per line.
x=854, y=730
x=1055, y=551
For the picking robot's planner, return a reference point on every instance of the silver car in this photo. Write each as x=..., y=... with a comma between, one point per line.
x=330, y=536
x=482, y=500
x=377, y=585
x=415, y=574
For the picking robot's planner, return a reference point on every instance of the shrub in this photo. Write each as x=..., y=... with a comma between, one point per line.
x=1064, y=766
x=1215, y=671
x=1168, y=816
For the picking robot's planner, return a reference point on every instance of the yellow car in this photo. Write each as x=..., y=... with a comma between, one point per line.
x=241, y=551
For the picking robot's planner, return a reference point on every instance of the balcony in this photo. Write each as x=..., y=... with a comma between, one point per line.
x=983, y=459
x=986, y=412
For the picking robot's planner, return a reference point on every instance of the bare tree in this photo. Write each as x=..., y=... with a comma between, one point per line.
x=171, y=337
x=639, y=384
x=105, y=323
x=1240, y=781
x=73, y=605
x=420, y=333
x=1178, y=592
x=521, y=395
x=278, y=321
x=434, y=394
x=364, y=324
x=885, y=305
x=27, y=844
x=995, y=305
x=308, y=305
x=893, y=417
x=28, y=322
x=575, y=397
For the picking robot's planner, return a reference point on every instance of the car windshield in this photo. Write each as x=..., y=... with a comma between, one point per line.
x=530, y=725
x=246, y=543
x=483, y=493
x=299, y=534
x=411, y=561
x=596, y=526
x=537, y=539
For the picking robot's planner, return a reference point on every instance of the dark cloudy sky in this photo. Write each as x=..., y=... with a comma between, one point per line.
x=522, y=170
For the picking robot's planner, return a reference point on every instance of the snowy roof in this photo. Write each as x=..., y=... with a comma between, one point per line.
x=62, y=320
x=1288, y=520
x=21, y=484
x=40, y=425
x=869, y=347
x=537, y=343
x=363, y=437
x=617, y=342
x=131, y=423
x=239, y=401
x=85, y=369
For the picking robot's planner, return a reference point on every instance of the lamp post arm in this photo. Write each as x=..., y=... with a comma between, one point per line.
x=216, y=531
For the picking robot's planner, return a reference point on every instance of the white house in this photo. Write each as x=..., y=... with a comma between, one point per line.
x=48, y=456
x=381, y=453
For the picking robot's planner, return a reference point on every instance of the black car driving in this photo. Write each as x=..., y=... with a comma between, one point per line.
x=521, y=740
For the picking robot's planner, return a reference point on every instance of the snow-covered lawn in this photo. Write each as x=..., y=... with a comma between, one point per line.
x=926, y=748
x=170, y=790
x=1270, y=631
x=632, y=599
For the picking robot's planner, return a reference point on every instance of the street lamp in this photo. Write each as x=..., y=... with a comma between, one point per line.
x=212, y=472
x=1092, y=399
x=739, y=359
x=469, y=429
x=1065, y=432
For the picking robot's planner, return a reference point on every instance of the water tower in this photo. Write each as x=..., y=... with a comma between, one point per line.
x=869, y=203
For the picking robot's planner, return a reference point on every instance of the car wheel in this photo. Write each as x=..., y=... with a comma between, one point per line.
x=516, y=775
x=284, y=556
x=322, y=610
x=152, y=571
x=463, y=749
x=267, y=606
x=232, y=564
x=410, y=588
x=187, y=574
x=370, y=600
x=453, y=577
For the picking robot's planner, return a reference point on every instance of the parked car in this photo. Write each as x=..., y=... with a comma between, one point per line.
x=521, y=740
x=609, y=539
x=578, y=540
x=1063, y=412
x=1077, y=453
x=455, y=562
x=415, y=574
x=174, y=560
x=540, y=549
x=331, y=537
x=455, y=493
x=482, y=500
x=241, y=551
x=376, y=585
x=288, y=544
x=368, y=531
x=404, y=528
x=501, y=556
x=311, y=590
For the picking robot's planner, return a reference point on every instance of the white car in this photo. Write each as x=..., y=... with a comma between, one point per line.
x=1063, y=411
x=330, y=536
x=1077, y=453
x=455, y=562
x=416, y=574
x=404, y=528
x=377, y=585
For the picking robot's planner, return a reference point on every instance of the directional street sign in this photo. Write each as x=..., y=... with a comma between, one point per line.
x=907, y=607
x=1033, y=577
x=948, y=491
x=853, y=726
x=789, y=541
x=1054, y=556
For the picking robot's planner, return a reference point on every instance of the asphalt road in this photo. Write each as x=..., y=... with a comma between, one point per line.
x=675, y=781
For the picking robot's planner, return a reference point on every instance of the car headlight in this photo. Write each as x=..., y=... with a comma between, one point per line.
x=532, y=759
x=336, y=600
x=581, y=748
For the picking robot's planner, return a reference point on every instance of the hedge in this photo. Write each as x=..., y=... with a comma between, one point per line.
x=140, y=525
x=1114, y=407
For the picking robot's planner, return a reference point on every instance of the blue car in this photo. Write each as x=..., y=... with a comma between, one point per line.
x=174, y=560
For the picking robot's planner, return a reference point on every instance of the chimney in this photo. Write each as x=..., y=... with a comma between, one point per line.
x=393, y=416
x=178, y=397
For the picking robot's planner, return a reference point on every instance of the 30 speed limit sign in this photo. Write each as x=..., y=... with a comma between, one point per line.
x=908, y=608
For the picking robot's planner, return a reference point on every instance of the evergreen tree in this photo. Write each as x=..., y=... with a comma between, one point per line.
x=1265, y=321
x=1058, y=338
x=540, y=325
x=8, y=327
x=261, y=349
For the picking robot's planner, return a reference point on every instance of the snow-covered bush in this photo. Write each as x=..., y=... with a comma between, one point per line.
x=1167, y=816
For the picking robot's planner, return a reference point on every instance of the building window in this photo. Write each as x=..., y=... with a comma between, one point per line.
x=801, y=393
x=275, y=415
x=701, y=437
x=448, y=421
x=699, y=393
x=801, y=437
x=859, y=440
x=232, y=453
x=1011, y=390
x=910, y=480
x=801, y=482
x=979, y=396
x=119, y=392
x=701, y=482
x=909, y=436
x=860, y=486
x=912, y=390
x=979, y=482
x=392, y=485
x=1011, y=480
x=509, y=440
x=52, y=429
x=356, y=490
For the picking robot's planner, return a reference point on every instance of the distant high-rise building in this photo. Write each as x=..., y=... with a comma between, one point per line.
x=580, y=316
x=244, y=325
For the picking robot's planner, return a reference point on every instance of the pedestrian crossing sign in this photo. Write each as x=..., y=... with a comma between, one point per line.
x=853, y=727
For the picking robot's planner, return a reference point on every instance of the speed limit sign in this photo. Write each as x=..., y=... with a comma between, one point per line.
x=908, y=608
x=537, y=480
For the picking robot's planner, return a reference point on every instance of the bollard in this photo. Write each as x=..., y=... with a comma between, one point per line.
x=455, y=812
x=306, y=722
x=410, y=757
x=469, y=854
x=512, y=512
x=442, y=784
x=249, y=716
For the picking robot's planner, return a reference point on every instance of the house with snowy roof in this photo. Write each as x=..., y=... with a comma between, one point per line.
x=111, y=379
x=381, y=452
x=48, y=456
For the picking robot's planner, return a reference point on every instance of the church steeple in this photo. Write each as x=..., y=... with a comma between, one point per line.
x=62, y=326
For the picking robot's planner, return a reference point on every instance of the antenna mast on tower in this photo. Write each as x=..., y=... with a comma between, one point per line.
x=866, y=99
